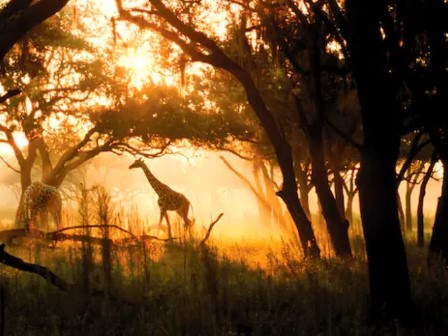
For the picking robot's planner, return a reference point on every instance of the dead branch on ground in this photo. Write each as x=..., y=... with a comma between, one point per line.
x=210, y=228
x=95, y=226
x=58, y=236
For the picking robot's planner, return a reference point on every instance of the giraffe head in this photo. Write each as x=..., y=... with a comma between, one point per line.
x=137, y=164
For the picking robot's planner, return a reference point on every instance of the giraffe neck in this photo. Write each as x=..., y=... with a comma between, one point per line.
x=158, y=186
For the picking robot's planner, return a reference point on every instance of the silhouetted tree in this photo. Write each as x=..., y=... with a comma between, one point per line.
x=200, y=47
x=377, y=89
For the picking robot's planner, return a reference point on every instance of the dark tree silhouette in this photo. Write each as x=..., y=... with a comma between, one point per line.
x=388, y=271
x=18, y=17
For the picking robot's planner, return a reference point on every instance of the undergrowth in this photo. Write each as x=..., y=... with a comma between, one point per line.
x=223, y=289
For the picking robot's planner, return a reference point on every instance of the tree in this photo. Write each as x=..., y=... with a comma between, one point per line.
x=421, y=198
x=202, y=48
x=392, y=104
x=58, y=113
x=299, y=42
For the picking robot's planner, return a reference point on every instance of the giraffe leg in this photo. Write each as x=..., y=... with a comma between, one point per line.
x=183, y=213
x=56, y=215
x=163, y=214
x=43, y=220
x=170, y=234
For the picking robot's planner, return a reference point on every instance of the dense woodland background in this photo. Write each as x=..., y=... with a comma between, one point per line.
x=343, y=99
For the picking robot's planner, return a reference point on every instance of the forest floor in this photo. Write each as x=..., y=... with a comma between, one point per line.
x=243, y=288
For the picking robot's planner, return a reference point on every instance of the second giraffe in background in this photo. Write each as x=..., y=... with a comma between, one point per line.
x=39, y=200
x=168, y=198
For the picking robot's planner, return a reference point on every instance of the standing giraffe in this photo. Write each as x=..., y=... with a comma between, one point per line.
x=38, y=200
x=168, y=198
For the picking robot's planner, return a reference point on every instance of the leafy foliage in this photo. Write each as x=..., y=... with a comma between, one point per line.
x=165, y=114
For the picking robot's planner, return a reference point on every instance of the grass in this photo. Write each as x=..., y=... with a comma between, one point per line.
x=244, y=288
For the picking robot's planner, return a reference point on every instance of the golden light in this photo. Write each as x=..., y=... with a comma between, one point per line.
x=139, y=65
x=20, y=140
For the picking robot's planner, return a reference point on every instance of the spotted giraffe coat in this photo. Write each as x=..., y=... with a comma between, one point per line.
x=39, y=200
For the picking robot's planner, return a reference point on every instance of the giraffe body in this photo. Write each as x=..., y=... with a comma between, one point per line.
x=39, y=200
x=169, y=200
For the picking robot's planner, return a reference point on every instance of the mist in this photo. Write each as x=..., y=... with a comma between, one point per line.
x=203, y=178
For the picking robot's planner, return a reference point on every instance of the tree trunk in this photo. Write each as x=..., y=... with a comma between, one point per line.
x=421, y=198
x=438, y=246
x=337, y=226
x=306, y=233
x=305, y=200
x=349, y=207
x=283, y=153
x=271, y=197
x=401, y=216
x=390, y=291
x=339, y=191
x=264, y=208
x=410, y=186
x=304, y=190
x=407, y=207
x=388, y=271
x=351, y=191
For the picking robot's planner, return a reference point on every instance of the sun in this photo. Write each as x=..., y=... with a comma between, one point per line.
x=139, y=65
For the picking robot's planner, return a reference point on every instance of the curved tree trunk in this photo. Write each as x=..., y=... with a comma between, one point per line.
x=339, y=192
x=410, y=186
x=304, y=188
x=349, y=207
x=337, y=226
x=351, y=191
x=283, y=153
x=421, y=198
x=305, y=200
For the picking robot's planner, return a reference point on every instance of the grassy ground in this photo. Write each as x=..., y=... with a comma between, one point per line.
x=247, y=287
x=169, y=289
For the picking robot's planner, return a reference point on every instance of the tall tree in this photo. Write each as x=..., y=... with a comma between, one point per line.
x=299, y=42
x=200, y=47
x=388, y=271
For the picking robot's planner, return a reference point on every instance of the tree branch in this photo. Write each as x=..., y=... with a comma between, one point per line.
x=12, y=142
x=413, y=151
x=9, y=94
x=19, y=17
x=210, y=228
x=9, y=166
x=12, y=261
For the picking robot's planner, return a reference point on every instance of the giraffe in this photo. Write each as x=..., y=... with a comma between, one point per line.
x=38, y=200
x=168, y=198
